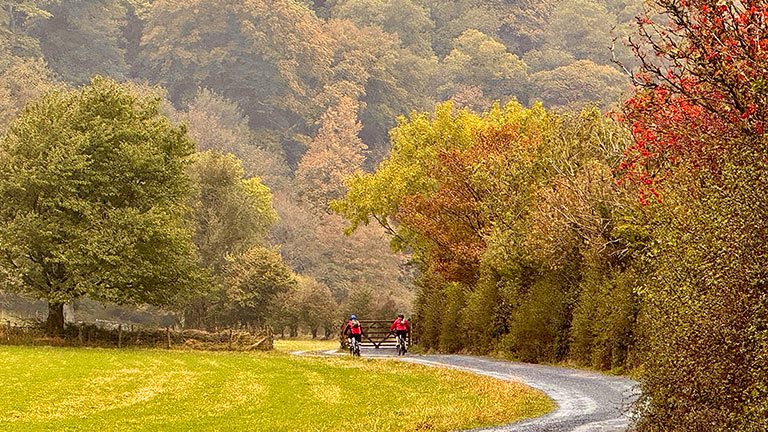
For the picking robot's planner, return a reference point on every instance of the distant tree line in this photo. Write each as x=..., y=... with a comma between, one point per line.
x=284, y=62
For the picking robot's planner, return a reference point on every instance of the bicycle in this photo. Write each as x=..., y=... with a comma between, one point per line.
x=354, y=347
x=401, y=346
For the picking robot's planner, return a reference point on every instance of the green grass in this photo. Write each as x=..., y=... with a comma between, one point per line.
x=68, y=389
x=292, y=345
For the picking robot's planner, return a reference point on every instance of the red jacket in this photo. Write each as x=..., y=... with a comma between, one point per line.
x=353, y=330
x=400, y=325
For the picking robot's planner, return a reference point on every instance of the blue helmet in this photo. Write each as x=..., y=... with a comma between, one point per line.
x=353, y=317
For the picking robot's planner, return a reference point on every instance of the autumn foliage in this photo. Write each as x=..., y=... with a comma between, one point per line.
x=702, y=89
x=698, y=118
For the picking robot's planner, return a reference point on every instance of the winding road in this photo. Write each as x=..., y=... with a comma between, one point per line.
x=586, y=401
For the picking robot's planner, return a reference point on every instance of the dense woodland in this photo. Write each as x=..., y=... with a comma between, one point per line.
x=304, y=95
x=555, y=180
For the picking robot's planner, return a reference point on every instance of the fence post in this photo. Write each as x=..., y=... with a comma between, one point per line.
x=119, y=335
x=168, y=337
x=229, y=344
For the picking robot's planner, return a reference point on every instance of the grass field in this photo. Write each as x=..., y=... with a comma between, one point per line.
x=65, y=389
x=292, y=345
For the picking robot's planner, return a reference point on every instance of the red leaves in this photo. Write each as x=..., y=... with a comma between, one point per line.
x=700, y=98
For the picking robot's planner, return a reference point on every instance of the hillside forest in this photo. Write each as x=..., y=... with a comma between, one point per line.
x=282, y=101
x=578, y=181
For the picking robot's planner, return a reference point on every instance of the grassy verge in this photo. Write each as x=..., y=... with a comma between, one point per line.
x=73, y=389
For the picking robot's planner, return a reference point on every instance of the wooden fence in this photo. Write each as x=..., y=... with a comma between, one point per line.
x=130, y=336
x=376, y=335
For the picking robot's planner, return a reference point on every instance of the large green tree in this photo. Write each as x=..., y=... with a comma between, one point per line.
x=94, y=195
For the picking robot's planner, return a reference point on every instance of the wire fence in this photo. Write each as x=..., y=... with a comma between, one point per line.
x=122, y=336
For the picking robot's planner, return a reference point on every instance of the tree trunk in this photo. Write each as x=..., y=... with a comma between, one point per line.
x=314, y=332
x=54, y=325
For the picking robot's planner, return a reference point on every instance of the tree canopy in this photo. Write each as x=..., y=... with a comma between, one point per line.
x=94, y=193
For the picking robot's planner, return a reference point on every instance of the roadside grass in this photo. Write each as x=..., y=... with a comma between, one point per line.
x=82, y=389
x=311, y=345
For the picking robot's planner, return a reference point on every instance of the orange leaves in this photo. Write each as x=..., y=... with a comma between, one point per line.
x=473, y=181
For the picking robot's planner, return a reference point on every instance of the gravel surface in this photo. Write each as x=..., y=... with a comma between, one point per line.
x=586, y=401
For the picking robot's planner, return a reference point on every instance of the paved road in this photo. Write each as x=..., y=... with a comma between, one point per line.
x=586, y=401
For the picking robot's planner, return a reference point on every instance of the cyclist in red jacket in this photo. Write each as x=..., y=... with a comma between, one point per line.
x=401, y=327
x=353, y=329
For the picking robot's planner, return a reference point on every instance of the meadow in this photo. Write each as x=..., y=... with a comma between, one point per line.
x=82, y=389
x=305, y=345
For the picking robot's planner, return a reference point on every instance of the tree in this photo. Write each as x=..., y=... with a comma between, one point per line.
x=317, y=308
x=546, y=58
x=454, y=17
x=255, y=280
x=82, y=39
x=22, y=81
x=230, y=214
x=578, y=84
x=94, y=191
x=582, y=28
x=698, y=120
x=16, y=19
x=407, y=19
x=370, y=65
x=335, y=154
x=478, y=59
x=269, y=56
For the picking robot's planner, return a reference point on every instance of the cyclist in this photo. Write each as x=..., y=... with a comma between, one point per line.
x=401, y=327
x=353, y=330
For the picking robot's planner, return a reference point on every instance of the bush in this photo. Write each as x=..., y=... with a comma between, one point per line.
x=539, y=324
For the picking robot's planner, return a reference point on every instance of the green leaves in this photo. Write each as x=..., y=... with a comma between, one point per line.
x=94, y=195
x=254, y=280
